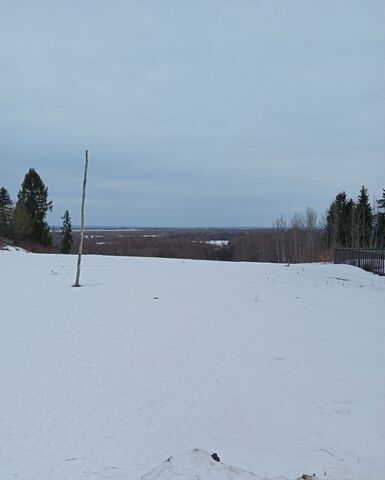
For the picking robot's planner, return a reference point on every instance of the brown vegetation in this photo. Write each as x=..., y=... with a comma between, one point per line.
x=280, y=244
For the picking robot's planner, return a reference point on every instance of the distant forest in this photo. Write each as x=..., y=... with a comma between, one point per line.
x=304, y=237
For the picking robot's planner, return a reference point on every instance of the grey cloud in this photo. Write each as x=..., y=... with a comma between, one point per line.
x=200, y=113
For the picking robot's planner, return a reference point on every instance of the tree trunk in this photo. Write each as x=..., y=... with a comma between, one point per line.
x=76, y=284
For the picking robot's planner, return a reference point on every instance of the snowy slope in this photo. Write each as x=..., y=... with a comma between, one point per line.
x=196, y=464
x=278, y=369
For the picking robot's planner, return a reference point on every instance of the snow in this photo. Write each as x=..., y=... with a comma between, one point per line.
x=12, y=249
x=196, y=464
x=220, y=243
x=277, y=369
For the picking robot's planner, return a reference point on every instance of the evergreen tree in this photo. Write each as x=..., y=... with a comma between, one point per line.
x=348, y=223
x=364, y=219
x=338, y=220
x=22, y=225
x=66, y=231
x=380, y=222
x=381, y=201
x=6, y=212
x=34, y=195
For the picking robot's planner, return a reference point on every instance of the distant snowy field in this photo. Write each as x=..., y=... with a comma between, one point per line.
x=280, y=370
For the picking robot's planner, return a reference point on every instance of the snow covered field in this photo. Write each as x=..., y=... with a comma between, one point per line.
x=280, y=370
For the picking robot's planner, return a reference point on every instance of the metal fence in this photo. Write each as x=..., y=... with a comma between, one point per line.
x=370, y=259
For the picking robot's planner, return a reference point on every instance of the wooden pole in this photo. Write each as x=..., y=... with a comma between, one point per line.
x=76, y=284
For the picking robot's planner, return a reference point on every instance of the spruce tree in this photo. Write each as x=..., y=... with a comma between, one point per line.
x=364, y=219
x=34, y=195
x=6, y=212
x=380, y=222
x=66, y=231
x=22, y=225
x=337, y=220
x=381, y=201
x=348, y=223
x=330, y=230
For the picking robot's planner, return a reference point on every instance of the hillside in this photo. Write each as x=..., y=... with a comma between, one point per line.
x=278, y=369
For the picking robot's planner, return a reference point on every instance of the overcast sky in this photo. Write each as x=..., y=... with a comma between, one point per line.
x=195, y=112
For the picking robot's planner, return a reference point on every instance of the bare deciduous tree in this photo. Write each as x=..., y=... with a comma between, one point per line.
x=310, y=228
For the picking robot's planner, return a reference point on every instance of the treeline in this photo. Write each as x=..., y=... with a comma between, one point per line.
x=347, y=223
x=25, y=218
x=294, y=240
x=297, y=240
x=355, y=224
x=304, y=237
x=163, y=247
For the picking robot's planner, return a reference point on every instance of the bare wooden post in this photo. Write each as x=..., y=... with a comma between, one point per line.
x=76, y=284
